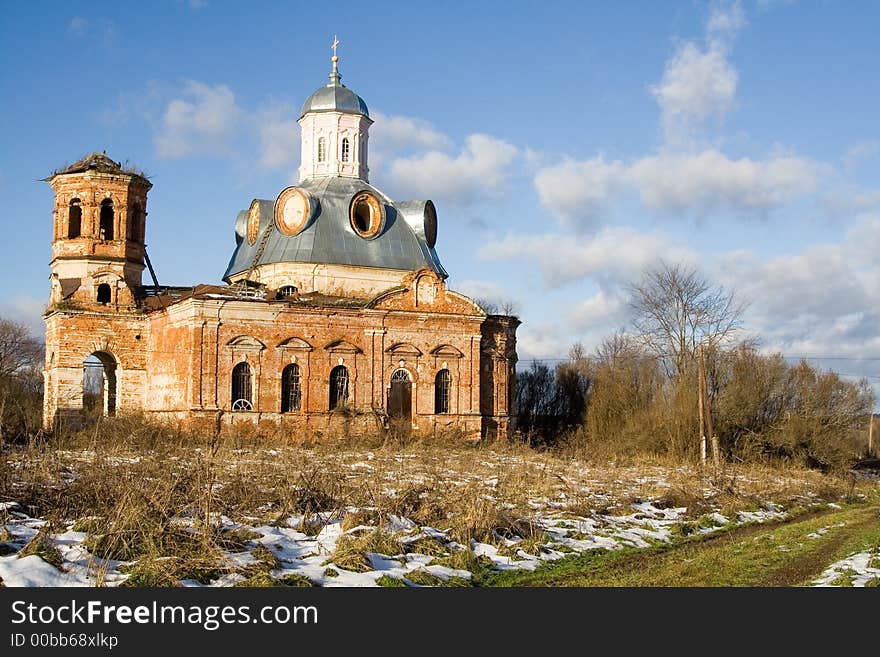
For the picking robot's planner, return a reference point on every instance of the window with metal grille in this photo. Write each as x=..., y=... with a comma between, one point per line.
x=291, y=389
x=322, y=149
x=106, y=220
x=338, y=387
x=242, y=399
x=442, y=387
x=400, y=375
x=74, y=219
x=345, y=149
x=285, y=291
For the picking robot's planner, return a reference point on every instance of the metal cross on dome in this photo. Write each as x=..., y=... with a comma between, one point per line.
x=334, y=44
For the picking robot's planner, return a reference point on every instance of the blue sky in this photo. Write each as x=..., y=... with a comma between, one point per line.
x=568, y=145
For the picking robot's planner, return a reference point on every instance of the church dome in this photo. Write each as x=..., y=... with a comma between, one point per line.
x=335, y=97
x=329, y=235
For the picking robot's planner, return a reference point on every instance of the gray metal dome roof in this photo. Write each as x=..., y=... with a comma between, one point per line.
x=329, y=238
x=335, y=97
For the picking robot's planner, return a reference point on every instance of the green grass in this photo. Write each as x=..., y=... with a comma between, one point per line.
x=260, y=579
x=777, y=554
x=390, y=582
x=295, y=579
x=464, y=559
x=426, y=578
x=266, y=560
x=164, y=572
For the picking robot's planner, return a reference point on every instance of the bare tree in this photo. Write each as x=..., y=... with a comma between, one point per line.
x=510, y=308
x=21, y=358
x=489, y=307
x=502, y=307
x=617, y=347
x=677, y=309
x=18, y=349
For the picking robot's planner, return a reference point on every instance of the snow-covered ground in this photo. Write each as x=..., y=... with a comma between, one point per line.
x=424, y=506
x=860, y=569
x=311, y=557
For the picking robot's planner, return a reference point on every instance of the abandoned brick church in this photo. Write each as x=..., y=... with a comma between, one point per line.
x=335, y=311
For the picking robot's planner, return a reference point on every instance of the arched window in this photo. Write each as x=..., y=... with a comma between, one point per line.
x=242, y=398
x=322, y=149
x=103, y=295
x=285, y=291
x=74, y=219
x=135, y=223
x=442, y=388
x=338, y=387
x=106, y=220
x=291, y=389
x=345, y=149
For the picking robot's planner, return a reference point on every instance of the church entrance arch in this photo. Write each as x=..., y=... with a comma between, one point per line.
x=99, y=385
x=400, y=398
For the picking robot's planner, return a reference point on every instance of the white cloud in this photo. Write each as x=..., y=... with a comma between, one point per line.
x=393, y=137
x=476, y=289
x=482, y=165
x=823, y=301
x=863, y=242
x=279, y=136
x=769, y=5
x=600, y=314
x=28, y=310
x=858, y=153
x=845, y=201
x=709, y=180
x=405, y=133
x=409, y=153
x=699, y=82
x=578, y=191
x=202, y=121
x=77, y=26
x=615, y=256
x=726, y=20
x=102, y=29
x=539, y=341
x=683, y=178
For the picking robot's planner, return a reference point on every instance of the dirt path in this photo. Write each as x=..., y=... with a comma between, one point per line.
x=782, y=554
x=808, y=566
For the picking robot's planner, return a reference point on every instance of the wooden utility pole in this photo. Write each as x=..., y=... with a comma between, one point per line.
x=871, y=434
x=707, y=431
x=701, y=388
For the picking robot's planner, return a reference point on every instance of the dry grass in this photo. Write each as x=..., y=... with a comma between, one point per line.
x=351, y=549
x=154, y=495
x=42, y=546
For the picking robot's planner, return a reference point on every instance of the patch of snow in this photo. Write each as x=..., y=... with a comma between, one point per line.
x=859, y=568
x=33, y=571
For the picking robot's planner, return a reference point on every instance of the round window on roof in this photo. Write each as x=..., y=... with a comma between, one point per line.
x=293, y=210
x=253, y=222
x=367, y=215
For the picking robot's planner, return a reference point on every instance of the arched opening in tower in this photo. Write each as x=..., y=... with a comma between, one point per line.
x=99, y=385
